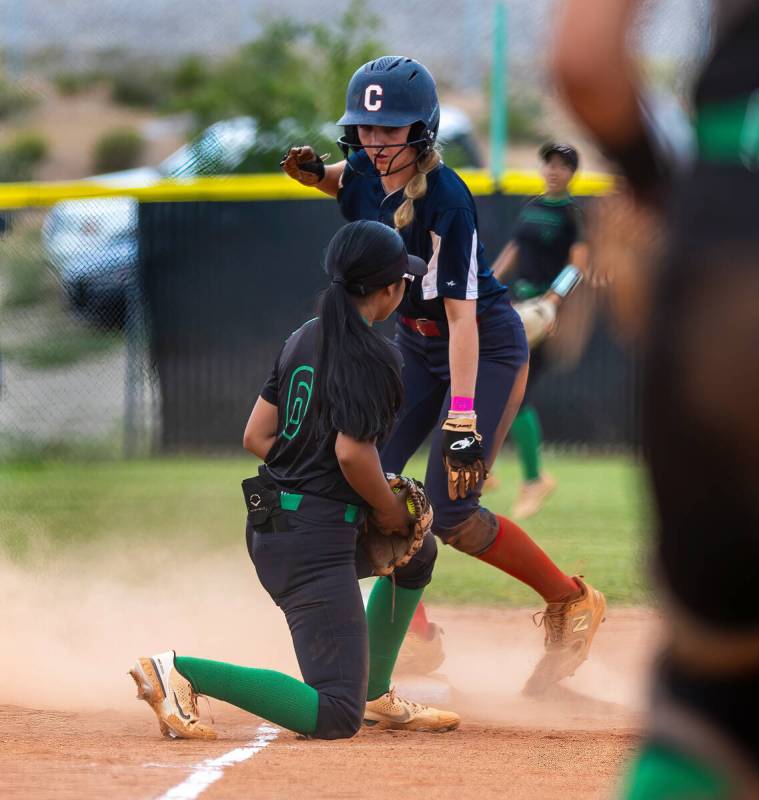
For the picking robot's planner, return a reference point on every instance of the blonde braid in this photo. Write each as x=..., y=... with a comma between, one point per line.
x=415, y=189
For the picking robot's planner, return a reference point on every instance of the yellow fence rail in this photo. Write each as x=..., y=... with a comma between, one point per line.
x=257, y=187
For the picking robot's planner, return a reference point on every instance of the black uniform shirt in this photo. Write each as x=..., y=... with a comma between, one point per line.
x=301, y=460
x=545, y=231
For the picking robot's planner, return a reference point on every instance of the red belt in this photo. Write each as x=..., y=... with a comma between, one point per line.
x=424, y=327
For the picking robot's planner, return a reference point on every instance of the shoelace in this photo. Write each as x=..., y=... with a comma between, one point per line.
x=410, y=704
x=194, y=705
x=195, y=697
x=554, y=621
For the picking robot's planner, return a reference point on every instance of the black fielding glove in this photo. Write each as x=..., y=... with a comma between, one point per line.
x=463, y=455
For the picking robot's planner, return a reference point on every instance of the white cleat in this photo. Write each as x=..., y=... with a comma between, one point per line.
x=171, y=696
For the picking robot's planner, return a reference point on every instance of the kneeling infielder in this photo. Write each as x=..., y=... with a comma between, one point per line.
x=332, y=396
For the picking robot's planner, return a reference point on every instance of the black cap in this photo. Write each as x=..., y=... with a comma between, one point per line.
x=415, y=266
x=378, y=275
x=365, y=255
x=564, y=151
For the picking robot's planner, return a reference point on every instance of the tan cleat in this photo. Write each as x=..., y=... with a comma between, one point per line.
x=570, y=628
x=420, y=655
x=171, y=696
x=391, y=711
x=532, y=496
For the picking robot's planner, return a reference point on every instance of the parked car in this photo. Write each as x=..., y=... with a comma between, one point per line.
x=92, y=244
x=456, y=136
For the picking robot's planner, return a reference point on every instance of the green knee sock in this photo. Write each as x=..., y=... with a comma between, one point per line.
x=526, y=433
x=264, y=692
x=387, y=629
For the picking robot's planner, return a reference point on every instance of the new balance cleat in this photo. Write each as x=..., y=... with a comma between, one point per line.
x=171, y=696
x=391, y=711
x=569, y=630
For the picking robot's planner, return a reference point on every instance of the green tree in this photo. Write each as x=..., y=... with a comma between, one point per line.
x=341, y=50
x=268, y=79
x=191, y=74
x=120, y=148
x=20, y=157
x=14, y=98
x=292, y=73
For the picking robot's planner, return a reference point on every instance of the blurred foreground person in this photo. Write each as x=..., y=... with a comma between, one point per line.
x=700, y=318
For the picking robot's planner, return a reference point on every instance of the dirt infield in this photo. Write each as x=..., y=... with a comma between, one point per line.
x=570, y=745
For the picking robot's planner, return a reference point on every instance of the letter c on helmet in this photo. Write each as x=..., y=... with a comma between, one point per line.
x=373, y=97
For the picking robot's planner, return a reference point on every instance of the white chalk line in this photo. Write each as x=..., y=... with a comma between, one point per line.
x=211, y=770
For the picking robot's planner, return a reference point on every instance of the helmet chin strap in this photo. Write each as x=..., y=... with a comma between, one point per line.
x=390, y=171
x=345, y=145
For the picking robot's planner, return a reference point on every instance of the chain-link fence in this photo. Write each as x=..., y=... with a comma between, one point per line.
x=450, y=36
x=288, y=59
x=120, y=90
x=133, y=329
x=75, y=374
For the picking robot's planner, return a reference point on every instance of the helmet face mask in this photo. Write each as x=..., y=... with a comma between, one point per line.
x=392, y=92
x=350, y=141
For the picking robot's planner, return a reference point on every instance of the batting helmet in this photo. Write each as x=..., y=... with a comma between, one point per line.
x=393, y=91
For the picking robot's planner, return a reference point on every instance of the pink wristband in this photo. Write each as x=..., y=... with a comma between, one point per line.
x=462, y=403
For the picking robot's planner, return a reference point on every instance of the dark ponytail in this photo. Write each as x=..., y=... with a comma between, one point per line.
x=358, y=386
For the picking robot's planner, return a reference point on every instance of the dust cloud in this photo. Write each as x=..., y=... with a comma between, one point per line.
x=71, y=629
x=495, y=652
x=73, y=625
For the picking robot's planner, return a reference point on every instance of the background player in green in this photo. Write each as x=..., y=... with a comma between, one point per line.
x=332, y=396
x=545, y=257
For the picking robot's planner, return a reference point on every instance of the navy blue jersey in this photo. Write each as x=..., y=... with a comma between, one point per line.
x=443, y=233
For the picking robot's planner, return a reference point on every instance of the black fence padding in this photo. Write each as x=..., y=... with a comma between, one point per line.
x=226, y=282
x=595, y=402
